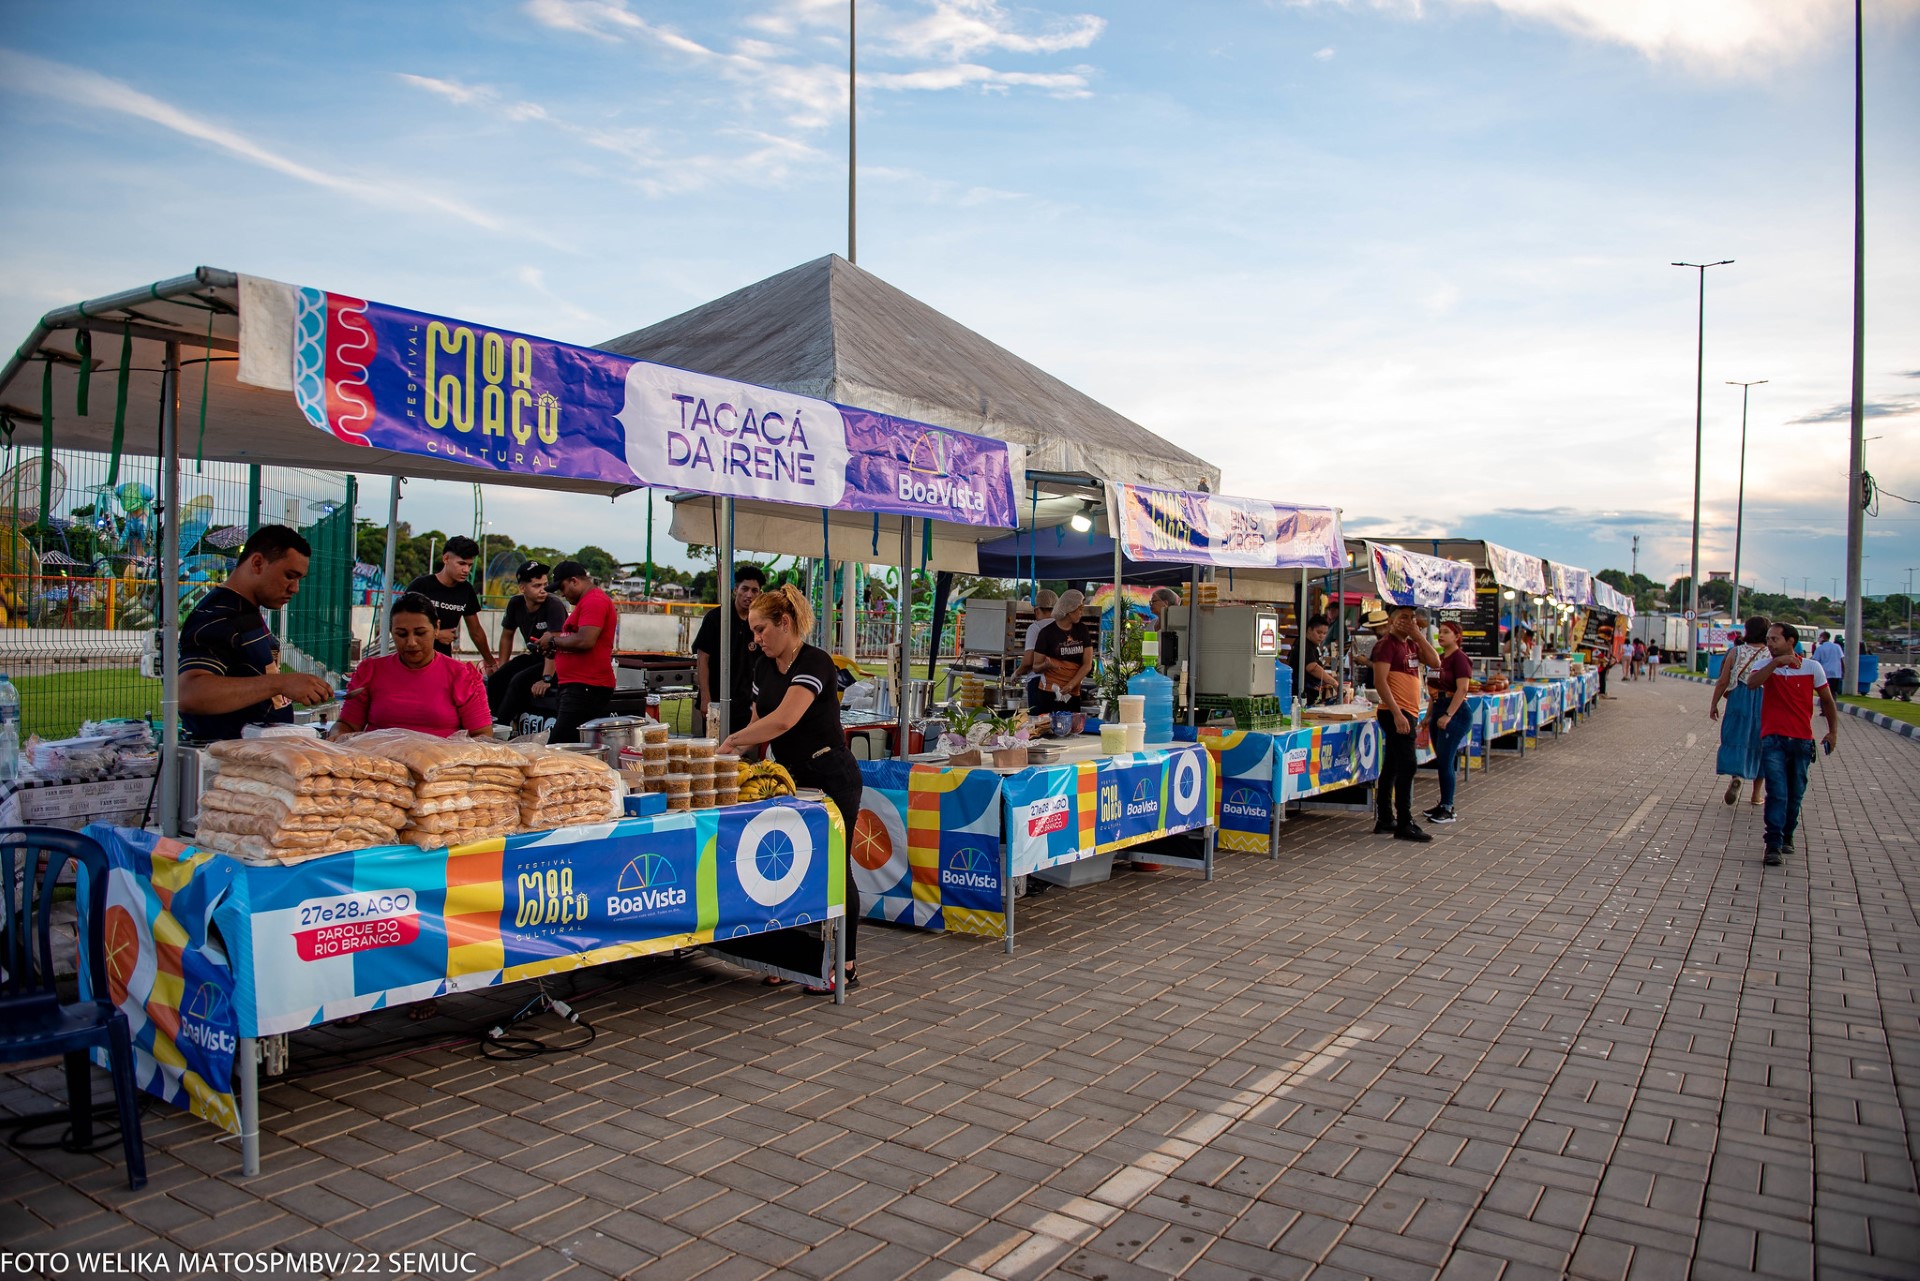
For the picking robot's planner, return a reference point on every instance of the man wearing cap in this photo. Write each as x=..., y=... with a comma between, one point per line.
x=580, y=653
x=1062, y=658
x=1397, y=660
x=531, y=614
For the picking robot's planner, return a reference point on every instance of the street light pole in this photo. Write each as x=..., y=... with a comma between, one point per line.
x=1699, y=404
x=1740, y=505
x=1857, y=451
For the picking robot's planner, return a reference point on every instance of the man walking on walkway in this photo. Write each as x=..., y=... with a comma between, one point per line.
x=1788, y=685
x=1830, y=656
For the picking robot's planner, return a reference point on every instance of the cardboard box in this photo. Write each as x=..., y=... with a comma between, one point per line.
x=121, y=801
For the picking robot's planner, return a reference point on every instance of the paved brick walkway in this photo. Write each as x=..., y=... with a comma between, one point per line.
x=1583, y=1033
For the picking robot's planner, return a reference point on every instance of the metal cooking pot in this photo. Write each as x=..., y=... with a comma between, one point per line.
x=913, y=704
x=608, y=734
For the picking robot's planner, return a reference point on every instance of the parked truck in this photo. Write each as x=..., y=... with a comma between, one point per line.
x=1666, y=632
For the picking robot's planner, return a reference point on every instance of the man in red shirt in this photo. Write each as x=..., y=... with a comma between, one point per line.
x=1397, y=660
x=1788, y=685
x=582, y=652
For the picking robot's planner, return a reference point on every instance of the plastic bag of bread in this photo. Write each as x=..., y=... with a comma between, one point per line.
x=428, y=758
x=540, y=760
x=303, y=758
x=299, y=815
x=271, y=782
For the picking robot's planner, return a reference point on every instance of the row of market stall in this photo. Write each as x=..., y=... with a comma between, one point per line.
x=215, y=959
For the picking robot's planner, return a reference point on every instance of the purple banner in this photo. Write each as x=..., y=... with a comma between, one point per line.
x=1212, y=529
x=510, y=403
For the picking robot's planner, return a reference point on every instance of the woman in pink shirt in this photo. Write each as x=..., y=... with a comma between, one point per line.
x=414, y=687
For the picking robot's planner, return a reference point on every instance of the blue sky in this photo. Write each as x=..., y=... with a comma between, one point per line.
x=1407, y=256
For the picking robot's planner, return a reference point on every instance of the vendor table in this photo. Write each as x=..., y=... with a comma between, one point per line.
x=207, y=955
x=1546, y=706
x=938, y=847
x=1495, y=716
x=1310, y=762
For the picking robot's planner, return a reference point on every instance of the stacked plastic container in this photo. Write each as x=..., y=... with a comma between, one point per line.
x=1158, y=708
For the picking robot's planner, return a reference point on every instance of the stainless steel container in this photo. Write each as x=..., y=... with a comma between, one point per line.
x=609, y=734
x=913, y=703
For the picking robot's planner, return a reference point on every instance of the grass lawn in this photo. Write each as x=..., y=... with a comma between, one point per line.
x=1889, y=707
x=54, y=706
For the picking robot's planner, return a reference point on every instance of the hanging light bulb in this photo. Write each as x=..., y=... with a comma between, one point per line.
x=1080, y=522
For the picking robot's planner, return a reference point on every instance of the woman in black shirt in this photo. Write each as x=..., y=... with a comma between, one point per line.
x=796, y=708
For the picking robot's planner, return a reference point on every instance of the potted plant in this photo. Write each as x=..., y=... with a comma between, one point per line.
x=966, y=729
x=1006, y=738
x=1111, y=683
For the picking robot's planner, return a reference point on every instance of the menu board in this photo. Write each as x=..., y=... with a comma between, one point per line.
x=1479, y=626
x=1597, y=637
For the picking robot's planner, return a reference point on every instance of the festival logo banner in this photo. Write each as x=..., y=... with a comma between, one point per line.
x=506, y=402
x=1184, y=528
x=1408, y=578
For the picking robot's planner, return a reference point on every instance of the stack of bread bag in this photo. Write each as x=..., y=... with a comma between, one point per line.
x=563, y=789
x=465, y=789
x=289, y=799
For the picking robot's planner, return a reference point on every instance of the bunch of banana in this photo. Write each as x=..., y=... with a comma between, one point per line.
x=764, y=780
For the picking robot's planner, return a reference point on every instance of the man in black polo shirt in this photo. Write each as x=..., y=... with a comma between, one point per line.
x=453, y=599
x=227, y=655
x=531, y=614
x=748, y=581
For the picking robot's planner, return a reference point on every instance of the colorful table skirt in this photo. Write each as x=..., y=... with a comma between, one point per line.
x=1495, y=716
x=203, y=950
x=1308, y=761
x=934, y=845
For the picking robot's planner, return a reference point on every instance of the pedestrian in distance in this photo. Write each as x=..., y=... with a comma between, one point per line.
x=1653, y=662
x=1832, y=659
x=1448, y=721
x=1740, y=728
x=1397, y=660
x=1788, y=684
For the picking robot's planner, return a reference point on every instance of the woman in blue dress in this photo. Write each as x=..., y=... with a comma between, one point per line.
x=1740, y=727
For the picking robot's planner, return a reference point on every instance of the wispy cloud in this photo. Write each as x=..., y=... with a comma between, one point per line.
x=1724, y=36
x=652, y=164
x=958, y=29
x=76, y=86
x=813, y=93
x=1324, y=55
x=1871, y=409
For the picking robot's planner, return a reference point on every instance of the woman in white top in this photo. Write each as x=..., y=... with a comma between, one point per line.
x=1740, y=728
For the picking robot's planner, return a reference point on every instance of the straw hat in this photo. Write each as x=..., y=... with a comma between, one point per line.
x=1375, y=617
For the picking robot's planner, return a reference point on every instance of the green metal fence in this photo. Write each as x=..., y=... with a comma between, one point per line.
x=80, y=586
x=320, y=618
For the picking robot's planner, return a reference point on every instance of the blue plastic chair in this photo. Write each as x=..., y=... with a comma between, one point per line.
x=34, y=1023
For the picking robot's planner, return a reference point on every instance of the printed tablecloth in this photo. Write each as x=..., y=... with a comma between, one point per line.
x=1494, y=716
x=1546, y=702
x=1309, y=761
x=933, y=845
x=203, y=949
